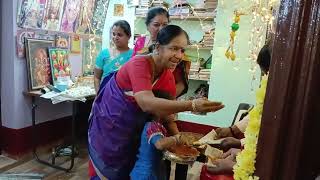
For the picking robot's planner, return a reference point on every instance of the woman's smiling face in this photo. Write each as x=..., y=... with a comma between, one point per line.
x=172, y=53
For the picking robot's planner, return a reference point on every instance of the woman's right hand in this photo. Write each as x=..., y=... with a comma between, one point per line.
x=204, y=105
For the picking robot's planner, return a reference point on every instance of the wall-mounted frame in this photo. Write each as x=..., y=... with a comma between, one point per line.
x=38, y=64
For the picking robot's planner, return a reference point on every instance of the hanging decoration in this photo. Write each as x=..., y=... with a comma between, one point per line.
x=246, y=159
x=90, y=50
x=230, y=54
x=95, y=26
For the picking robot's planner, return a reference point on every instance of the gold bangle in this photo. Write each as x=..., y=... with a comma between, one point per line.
x=194, y=108
x=177, y=138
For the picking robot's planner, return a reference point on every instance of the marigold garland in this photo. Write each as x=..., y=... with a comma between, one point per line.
x=244, y=168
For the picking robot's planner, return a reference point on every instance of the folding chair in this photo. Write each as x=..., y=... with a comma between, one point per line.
x=242, y=111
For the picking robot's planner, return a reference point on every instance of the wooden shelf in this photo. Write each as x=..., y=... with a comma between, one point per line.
x=191, y=17
x=197, y=79
x=200, y=47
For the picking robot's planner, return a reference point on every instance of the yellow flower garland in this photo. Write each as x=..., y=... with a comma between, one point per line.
x=244, y=168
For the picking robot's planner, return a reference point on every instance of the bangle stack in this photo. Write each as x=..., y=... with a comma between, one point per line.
x=176, y=138
x=194, y=108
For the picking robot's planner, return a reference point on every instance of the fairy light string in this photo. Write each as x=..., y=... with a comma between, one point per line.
x=93, y=50
x=262, y=18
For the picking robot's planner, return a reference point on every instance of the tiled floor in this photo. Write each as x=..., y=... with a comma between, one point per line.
x=6, y=161
x=27, y=167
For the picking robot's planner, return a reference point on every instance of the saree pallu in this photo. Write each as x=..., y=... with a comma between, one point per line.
x=114, y=132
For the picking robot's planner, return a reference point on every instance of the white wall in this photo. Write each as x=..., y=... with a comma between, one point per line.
x=7, y=86
x=128, y=15
x=231, y=82
x=16, y=108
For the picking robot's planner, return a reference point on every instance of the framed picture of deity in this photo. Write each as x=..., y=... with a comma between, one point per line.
x=52, y=16
x=38, y=64
x=30, y=13
x=60, y=65
x=85, y=18
x=70, y=15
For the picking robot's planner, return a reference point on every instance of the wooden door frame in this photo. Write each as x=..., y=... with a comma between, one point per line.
x=288, y=146
x=1, y=144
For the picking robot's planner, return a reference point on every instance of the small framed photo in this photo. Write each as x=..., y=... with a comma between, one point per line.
x=118, y=10
x=62, y=41
x=75, y=44
x=60, y=65
x=38, y=64
x=22, y=35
